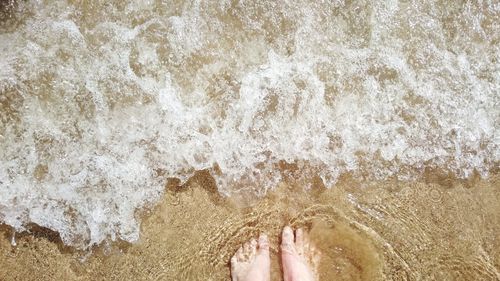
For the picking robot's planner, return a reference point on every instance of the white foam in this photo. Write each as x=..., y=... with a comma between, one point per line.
x=102, y=104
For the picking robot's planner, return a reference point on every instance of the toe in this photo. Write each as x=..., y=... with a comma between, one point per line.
x=287, y=244
x=263, y=243
x=315, y=259
x=239, y=254
x=234, y=261
x=247, y=248
x=287, y=236
x=253, y=246
x=253, y=242
x=299, y=238
x=299, y=241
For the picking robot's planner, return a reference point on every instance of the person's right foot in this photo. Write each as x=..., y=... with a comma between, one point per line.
x=300, y=259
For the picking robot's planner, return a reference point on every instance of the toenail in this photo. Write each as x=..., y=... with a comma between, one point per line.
x=263, y=238
x=299, y=232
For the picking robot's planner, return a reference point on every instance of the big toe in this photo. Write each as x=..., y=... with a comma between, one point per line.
x=263, y=243
x=287, y=236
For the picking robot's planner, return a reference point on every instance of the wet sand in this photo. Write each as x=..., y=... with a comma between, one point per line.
x=436, y=229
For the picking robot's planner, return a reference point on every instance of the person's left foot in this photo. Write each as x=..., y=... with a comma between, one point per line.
x=251, y=262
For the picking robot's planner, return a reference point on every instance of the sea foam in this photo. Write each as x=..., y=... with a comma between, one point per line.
x=100, y=104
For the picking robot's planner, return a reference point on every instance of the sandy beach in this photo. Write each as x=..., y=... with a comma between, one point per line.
x=147, y=140
x=365, y=231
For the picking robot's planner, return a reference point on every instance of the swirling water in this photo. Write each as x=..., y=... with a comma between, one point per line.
x=102, y=101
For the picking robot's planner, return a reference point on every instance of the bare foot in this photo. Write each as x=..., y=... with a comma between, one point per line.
x=251, y=261
x=300, y=259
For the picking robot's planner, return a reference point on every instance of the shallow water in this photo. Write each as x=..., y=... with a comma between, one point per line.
x=101, y=102
x=365, y=231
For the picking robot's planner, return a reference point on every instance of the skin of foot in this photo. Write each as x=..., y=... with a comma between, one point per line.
x=251, y=262
x=299, y=257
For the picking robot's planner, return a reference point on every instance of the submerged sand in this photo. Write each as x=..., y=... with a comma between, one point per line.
x=428, y=230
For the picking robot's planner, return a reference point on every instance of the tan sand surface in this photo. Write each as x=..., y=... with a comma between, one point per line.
x=434, y=229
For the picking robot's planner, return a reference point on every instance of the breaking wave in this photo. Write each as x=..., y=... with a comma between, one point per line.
x=101, y=103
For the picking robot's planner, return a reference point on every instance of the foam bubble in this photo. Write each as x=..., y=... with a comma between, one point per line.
x=100, y=104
